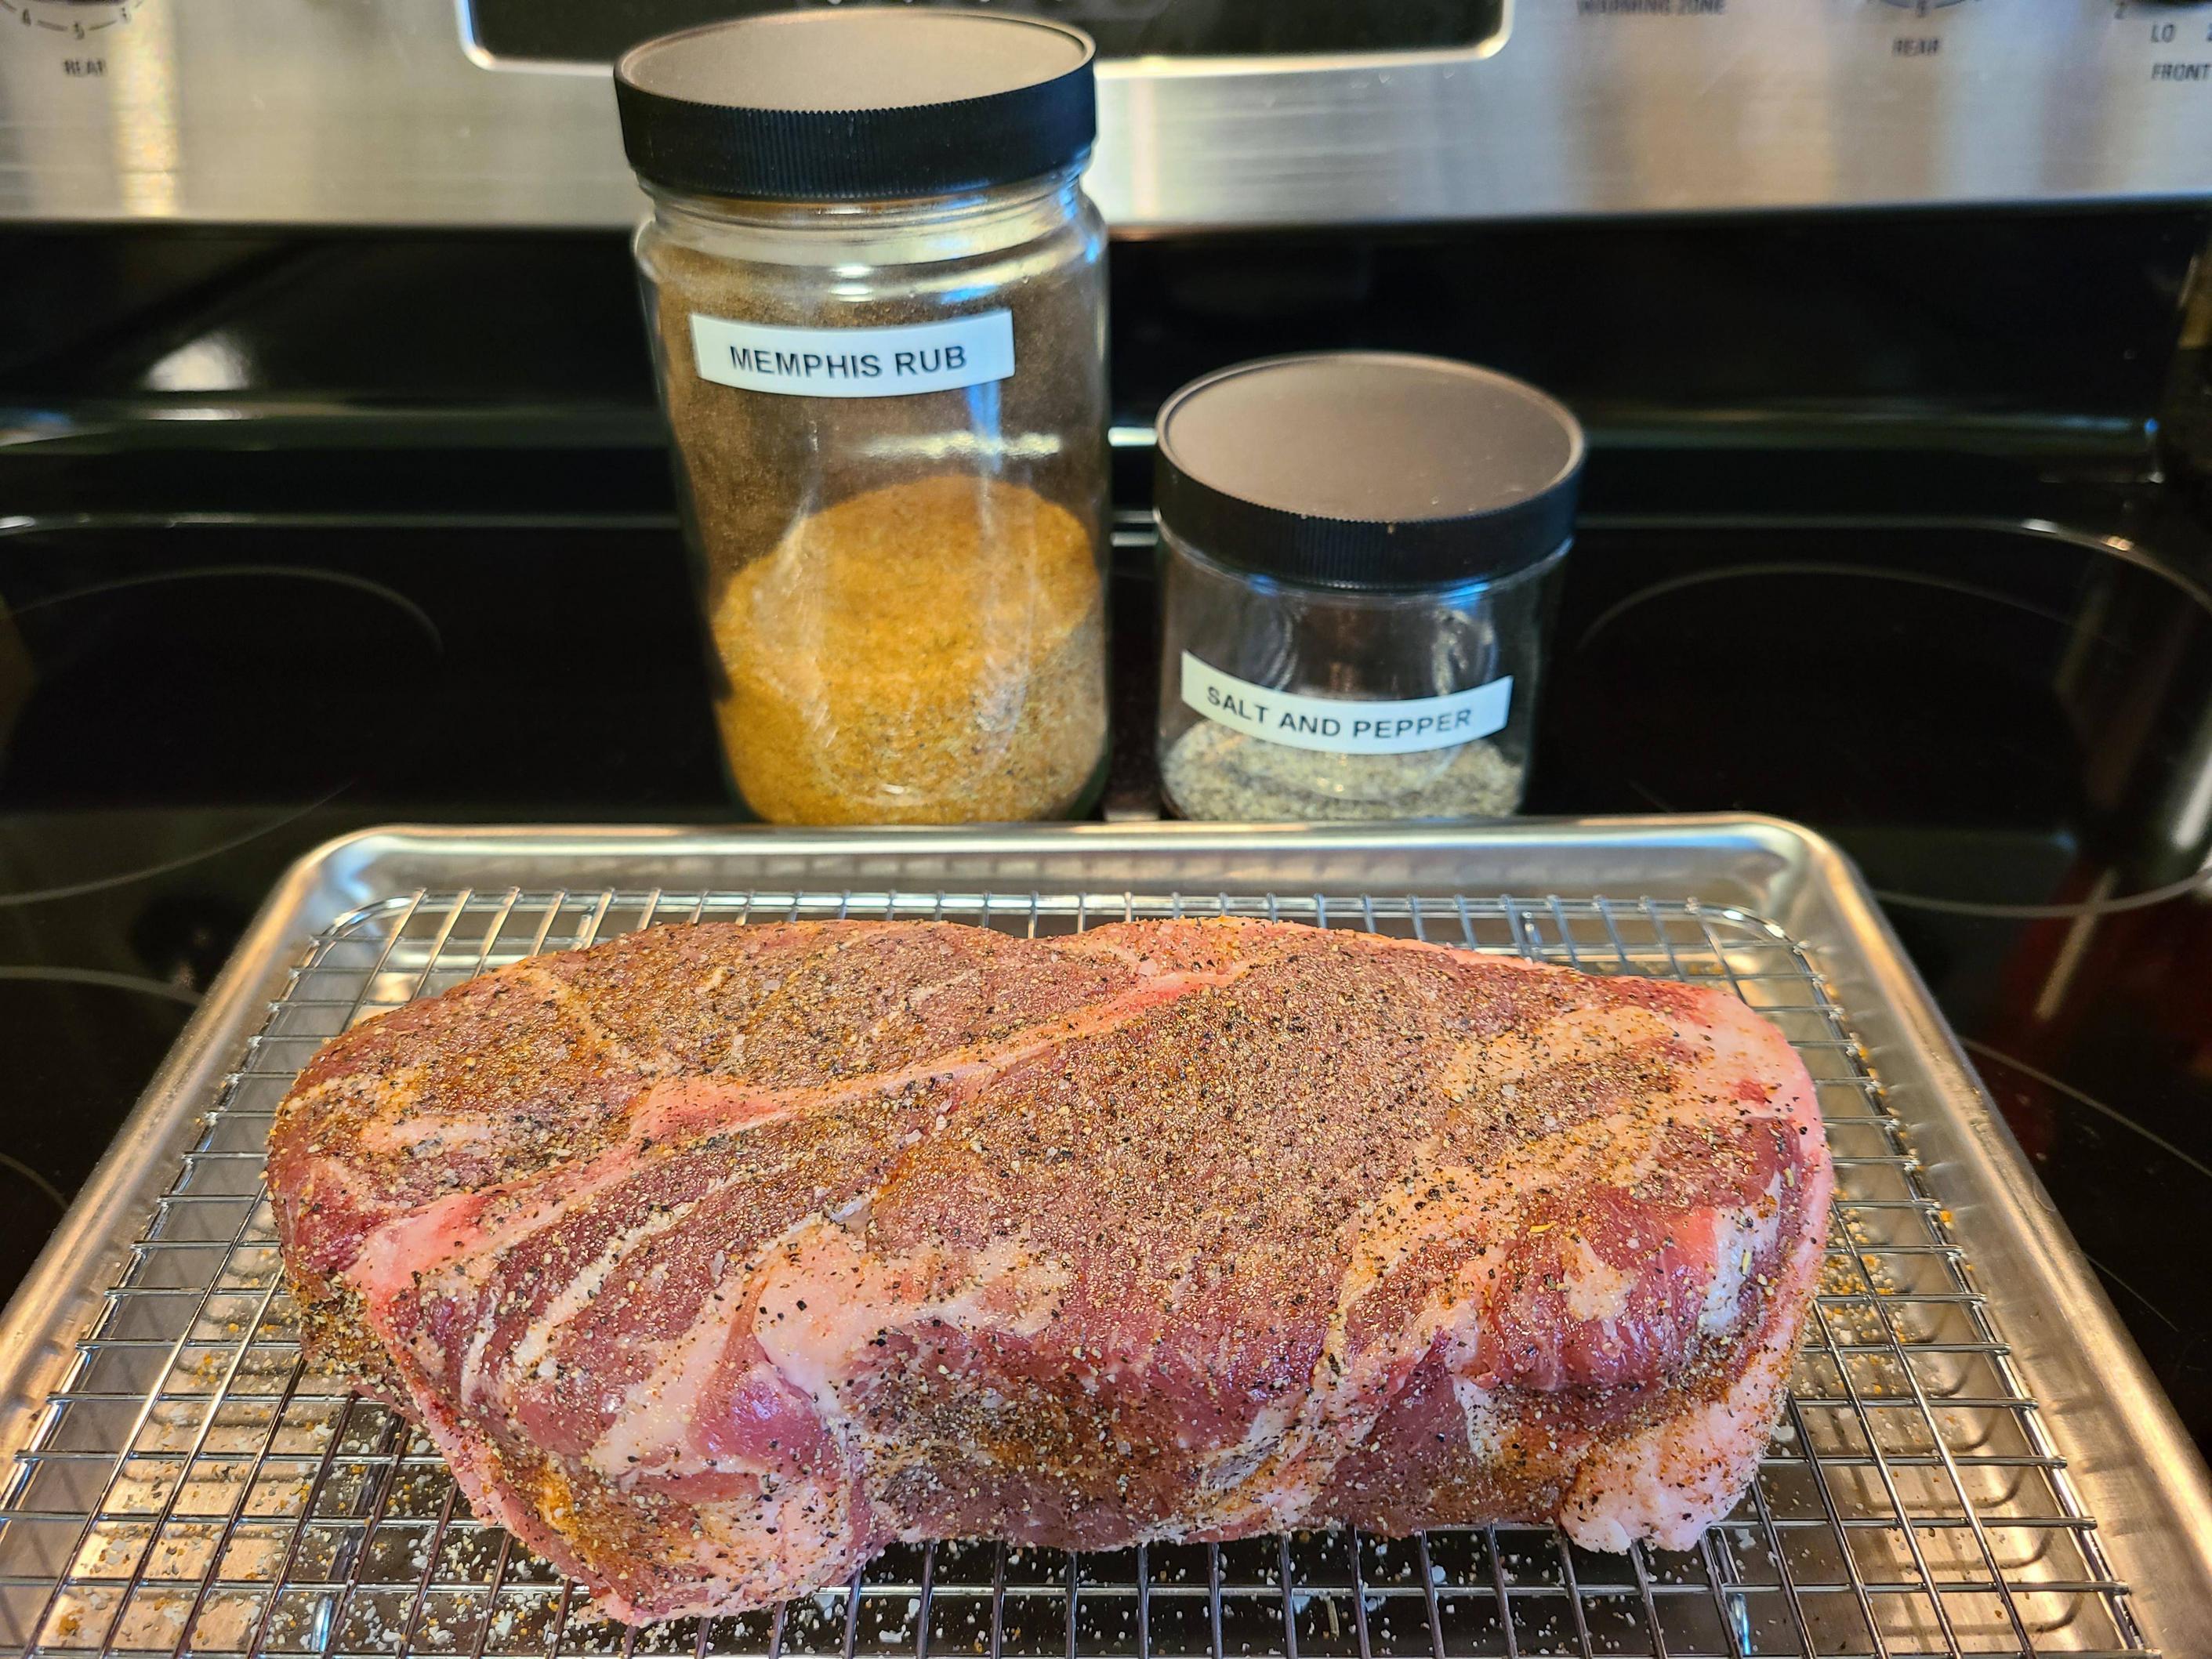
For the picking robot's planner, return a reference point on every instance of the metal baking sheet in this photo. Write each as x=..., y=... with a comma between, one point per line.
x=1974, y=1460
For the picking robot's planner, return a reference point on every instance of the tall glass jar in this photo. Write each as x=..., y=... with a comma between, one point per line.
x=1359, y=554
x=876, y=300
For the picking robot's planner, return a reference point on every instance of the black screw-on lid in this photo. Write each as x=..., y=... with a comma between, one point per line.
x=1368, y=469
x=857, y=103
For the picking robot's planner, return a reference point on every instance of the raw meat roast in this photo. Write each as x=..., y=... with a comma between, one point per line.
x=717, y=1257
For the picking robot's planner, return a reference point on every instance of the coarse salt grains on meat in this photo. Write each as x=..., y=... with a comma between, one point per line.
x=716, y=1258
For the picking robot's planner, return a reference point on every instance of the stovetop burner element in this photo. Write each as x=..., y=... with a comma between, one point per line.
x=2018, y=728
x=171, y=715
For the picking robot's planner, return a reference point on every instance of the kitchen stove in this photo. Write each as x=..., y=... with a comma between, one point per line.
x=1907, y=563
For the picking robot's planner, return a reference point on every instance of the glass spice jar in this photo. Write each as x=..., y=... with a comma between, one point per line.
x=876, y=300
x=1359, y=555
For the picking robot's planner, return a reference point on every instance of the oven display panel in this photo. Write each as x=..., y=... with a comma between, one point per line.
x=597, y=31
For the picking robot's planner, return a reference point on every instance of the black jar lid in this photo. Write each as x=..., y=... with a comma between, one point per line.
x=1368, y=469
x=858, y=102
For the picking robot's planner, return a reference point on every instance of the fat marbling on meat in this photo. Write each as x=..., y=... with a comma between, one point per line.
x=716, y=1258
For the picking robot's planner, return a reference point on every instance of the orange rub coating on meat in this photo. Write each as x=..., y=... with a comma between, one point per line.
x=716, y=1258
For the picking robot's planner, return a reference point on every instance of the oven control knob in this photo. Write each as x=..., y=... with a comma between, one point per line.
x=87, y=21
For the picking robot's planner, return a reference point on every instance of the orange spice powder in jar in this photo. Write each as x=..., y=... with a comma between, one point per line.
x=927, y=652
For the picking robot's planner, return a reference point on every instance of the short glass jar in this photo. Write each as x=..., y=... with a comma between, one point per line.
x=877, y=299
x=1360, y=553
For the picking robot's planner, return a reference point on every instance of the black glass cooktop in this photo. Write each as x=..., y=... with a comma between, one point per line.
x=184, y=708
x=2005, y=727
x=413, y=565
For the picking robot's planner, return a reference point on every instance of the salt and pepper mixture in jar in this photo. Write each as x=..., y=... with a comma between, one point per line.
x=877, y=303
x=1359, y=555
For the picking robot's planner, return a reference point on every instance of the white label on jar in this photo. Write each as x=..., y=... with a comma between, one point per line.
x=1345, y=726
x=856, y=362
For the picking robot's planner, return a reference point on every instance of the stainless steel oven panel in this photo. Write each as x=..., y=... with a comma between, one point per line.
x=376, y=112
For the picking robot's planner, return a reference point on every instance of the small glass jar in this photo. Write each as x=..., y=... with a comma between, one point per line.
x=876, y=300
x=1360, y=553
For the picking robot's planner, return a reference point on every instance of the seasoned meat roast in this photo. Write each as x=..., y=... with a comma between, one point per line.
x=717, y=1257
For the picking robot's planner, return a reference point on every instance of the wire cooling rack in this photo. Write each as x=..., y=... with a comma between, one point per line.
x=195, y=1488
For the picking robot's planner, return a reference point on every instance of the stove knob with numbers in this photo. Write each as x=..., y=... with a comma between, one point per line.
x=68, y=19
x=2175, y=24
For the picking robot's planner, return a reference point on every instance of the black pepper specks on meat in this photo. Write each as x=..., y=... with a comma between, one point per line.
x=1122, y=1232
